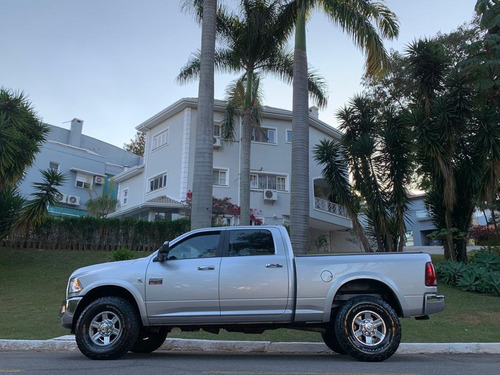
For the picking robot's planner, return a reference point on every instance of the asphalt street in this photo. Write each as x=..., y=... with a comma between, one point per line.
x=248, y=364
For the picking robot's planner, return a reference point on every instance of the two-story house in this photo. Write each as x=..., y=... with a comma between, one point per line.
x=158, y=188
x=87, y=163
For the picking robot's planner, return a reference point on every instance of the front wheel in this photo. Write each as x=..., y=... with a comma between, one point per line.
x=150, y=339
x=368, y=329
x=107, y=328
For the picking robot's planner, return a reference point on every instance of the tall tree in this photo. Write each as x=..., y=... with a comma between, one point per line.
x=136, y=145
x=253, y=43
x=367, y=22
x=203, y=157
x=376, y=148
x=332, y=155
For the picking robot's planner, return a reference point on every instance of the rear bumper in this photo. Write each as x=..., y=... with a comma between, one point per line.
x=433, y=303
x=68, y=309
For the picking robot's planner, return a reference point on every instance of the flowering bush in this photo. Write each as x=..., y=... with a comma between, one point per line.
x=483, y=233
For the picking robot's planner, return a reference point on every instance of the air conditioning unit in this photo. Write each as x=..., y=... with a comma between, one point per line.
x=61, y=198
x=217, y=141
x=270, y=195
x=73, y=200
x=98, y=180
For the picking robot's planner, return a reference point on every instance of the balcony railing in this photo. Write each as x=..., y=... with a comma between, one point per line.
x=330, y=207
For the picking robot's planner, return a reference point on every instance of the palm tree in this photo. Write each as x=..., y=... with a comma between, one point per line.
x=11, y=203
x=366, y=22
x=377, y=149
x=332, y=155
x=21, y=136
x=35, y=211
x=203, y=157
x=253, y=43
x=102, y=205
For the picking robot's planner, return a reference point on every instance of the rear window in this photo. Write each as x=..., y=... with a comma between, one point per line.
x=248, y=242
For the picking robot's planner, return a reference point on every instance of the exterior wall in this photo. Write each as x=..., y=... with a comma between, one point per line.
x=419, y=222
x=92, y=158
x=176, y=159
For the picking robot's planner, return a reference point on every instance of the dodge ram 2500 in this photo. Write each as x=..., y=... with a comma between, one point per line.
x=247, y=279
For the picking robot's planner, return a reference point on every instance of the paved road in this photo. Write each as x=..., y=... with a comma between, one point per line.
x=75, y=363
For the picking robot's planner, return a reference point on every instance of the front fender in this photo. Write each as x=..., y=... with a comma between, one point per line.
x=99, y=287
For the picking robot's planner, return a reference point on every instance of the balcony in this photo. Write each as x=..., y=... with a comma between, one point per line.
x=330, y=207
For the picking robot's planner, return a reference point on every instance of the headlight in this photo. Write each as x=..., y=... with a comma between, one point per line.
x=74, y=286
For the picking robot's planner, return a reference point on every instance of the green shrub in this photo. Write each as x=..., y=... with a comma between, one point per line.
x=450, y=272
x=486, y=259
x=123, y=253
x=481, y=275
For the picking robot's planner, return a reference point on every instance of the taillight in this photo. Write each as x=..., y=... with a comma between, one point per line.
x=430, y=275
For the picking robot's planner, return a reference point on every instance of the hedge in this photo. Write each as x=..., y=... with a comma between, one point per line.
x=88, y=233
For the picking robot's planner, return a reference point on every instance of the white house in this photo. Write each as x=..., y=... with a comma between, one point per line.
x=157, y=189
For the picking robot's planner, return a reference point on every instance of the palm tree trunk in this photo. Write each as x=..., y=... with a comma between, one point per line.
x=246, y=145
x=246, y=140
x=358, y=230
x=203, y=159
x=299, y=196
x=449, y=245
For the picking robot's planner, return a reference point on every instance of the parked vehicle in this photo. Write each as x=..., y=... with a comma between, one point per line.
x=247, y=279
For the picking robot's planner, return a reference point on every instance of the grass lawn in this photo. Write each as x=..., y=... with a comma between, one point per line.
x=32, y=285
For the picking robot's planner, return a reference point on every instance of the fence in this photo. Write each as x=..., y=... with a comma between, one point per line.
x=87, y=233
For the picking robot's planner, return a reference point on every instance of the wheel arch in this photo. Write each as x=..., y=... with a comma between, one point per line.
x=108, y=291
x=367, y=285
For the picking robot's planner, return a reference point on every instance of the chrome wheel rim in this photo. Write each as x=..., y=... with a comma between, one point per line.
x=105, y=329
x=368, y=328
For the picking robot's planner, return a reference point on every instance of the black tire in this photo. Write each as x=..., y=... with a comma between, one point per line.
x=107, y=328
x=331, y=341
x=368, y=329
x=329, y=337
x=150, y=339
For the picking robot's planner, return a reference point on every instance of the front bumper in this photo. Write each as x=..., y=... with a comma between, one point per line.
x=68, y=309
x=433, y=303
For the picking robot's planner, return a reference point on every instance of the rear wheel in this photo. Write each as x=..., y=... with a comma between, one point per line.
x=330, y=338
x=331, y=341
x=107, y=328
x=150, y=339
x=368, y=329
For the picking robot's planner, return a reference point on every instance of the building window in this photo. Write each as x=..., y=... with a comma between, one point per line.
x=158, y=182
x=217, y=129
x=268, y=181
x=160, y=139
x=289, y=136
x=124, y=196
x=54, y=166
x=220, y=177
x=83, y=181
x=264, y=135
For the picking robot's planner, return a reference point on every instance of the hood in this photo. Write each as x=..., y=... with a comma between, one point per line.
x=109, y=268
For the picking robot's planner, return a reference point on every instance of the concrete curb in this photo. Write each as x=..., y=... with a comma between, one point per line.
x=67, y=343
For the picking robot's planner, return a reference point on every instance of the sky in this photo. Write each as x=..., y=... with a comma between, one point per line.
x=113, y=63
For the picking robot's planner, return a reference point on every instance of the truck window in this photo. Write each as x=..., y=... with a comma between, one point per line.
x=247, y=242
x=203, y=245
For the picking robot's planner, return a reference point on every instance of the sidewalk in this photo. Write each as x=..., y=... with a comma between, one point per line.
x=67, y=343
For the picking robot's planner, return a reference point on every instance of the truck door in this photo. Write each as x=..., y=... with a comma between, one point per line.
x=185, y=287
x=254, y=277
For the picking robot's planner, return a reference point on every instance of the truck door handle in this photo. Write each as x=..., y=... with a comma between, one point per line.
x=274, y=265
x=206, y=268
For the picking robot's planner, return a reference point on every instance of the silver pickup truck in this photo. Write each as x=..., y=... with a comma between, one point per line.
x=247, y=279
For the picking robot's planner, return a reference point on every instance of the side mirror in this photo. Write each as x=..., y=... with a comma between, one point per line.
x=163, y=252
